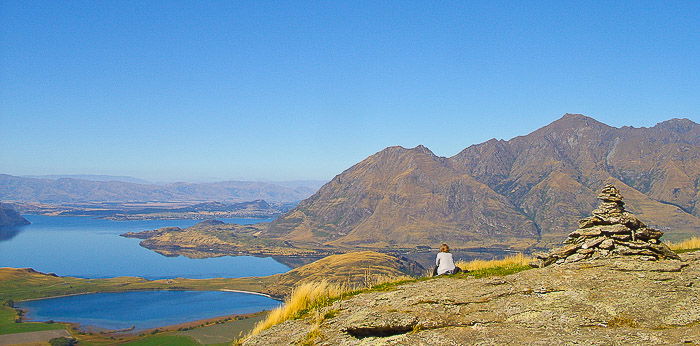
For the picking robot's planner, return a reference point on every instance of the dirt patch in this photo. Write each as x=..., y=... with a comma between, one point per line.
x=32, y=337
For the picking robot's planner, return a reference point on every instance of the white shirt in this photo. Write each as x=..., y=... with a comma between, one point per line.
x=444, y=262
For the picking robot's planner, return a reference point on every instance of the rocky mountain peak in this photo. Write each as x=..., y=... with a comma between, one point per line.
x=399, y=150
x=680, y=125
x=572, y=122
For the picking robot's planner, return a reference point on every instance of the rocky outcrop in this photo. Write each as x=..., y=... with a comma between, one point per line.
x=607, y=301
x=10, y=217
x=609, y=231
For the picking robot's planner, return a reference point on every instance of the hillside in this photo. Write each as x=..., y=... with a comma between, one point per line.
x=10, y=217
x=628, y=302
x=68, y=190
x=527, y=191
x=404, y=196
x=355, y=269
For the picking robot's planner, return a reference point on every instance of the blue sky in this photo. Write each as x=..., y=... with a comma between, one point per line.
x=197, y=90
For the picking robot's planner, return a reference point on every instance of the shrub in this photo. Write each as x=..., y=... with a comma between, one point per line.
x=63, y=341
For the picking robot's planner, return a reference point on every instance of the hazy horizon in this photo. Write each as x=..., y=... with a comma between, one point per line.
x=124, y=178
x=268, y=91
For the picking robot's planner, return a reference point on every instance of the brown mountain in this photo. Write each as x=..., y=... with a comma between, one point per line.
x=404, y=196
x=522, y=192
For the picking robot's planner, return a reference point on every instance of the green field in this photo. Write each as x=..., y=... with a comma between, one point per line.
x=9, y=326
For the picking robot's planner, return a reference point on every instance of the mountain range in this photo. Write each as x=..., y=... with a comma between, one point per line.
x=71, y=190
x=524, y=192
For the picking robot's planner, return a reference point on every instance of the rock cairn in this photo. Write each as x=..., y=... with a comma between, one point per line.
x=610, y=231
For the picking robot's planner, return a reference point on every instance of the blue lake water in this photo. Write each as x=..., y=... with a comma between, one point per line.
x=144, y=310
x=92, y=248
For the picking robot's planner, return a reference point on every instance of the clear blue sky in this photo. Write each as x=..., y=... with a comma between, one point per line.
x=281, y=90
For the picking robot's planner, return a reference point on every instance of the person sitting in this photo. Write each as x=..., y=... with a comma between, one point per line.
x=444, y=262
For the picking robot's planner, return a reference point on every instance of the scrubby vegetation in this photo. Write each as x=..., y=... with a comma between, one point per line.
x=687, y=245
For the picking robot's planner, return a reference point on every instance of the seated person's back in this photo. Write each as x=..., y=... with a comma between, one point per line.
x=444, y=261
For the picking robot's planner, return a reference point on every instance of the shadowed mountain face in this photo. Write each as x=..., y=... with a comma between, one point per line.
x=10, y=217
x=522, y=192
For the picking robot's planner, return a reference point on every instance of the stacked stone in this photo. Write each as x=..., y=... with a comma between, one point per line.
x=609, y=231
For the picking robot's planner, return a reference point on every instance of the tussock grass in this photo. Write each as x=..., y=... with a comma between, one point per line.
x=303, y=298
x=311, y=296
x=686, y=245
x=508, y=261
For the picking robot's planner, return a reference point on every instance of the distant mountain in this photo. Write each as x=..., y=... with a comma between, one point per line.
x=66, y=190
x=91, y=177
x=10, y=217
x=524, y=192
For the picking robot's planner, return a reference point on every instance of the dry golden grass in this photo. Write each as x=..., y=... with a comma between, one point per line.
x=313, y=295
x=688, y=244
x=303, y=298
x=513, y=260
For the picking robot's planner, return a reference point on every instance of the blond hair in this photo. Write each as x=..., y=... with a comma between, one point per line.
x=444, y=248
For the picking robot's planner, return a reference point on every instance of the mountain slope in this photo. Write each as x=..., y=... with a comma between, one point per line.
x=551, y=173
x=525, y=191
x=404, y=197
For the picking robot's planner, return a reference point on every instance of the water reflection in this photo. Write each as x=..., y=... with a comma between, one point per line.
x=9, y=232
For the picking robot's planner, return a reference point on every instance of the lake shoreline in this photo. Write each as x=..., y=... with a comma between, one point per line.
x=86, y=327
x=150, y=289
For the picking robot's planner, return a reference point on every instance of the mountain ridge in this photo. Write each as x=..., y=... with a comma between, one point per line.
x=67, y=190
x=523, y=192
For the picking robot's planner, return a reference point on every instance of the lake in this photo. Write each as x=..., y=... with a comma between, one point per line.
x=92, y=248
x=143, y=310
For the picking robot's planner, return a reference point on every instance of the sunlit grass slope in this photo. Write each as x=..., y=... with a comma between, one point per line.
x=353, y=270
x=513, y=260
x=686, y=245
x=303, y=298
